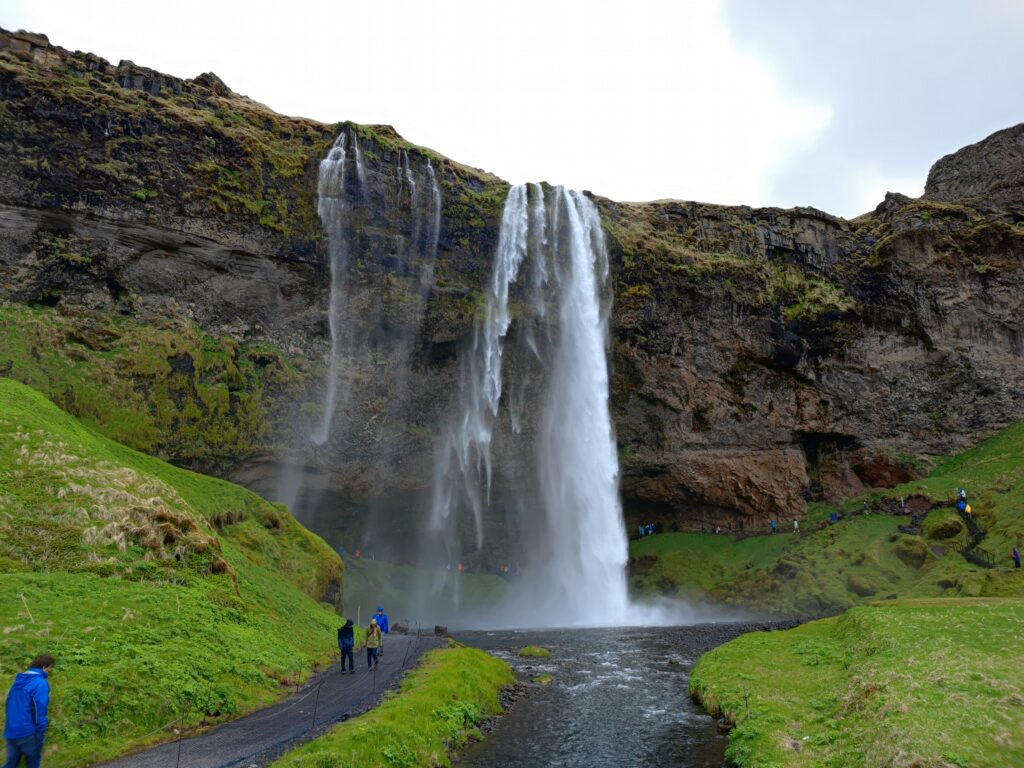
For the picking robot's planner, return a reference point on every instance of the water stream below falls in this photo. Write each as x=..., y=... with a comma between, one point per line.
x=618, y=698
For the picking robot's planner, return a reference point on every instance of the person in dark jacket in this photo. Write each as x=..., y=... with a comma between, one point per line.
x=27, y=704
x=346, y=643
x=1015, y=554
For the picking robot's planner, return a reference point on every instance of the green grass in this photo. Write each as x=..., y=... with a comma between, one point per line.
x=437, y=709
x=163, y=594
x=863, y=557
x=905, y=683
x=534, y=652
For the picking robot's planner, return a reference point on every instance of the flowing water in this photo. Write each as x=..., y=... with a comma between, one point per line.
x=343, y=204
x=618, y=698
x=567, y=518
x=332, y=208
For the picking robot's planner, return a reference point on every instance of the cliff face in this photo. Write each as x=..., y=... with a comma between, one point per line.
x=164, y=275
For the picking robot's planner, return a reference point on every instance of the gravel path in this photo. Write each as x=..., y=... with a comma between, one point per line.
x=258, y=738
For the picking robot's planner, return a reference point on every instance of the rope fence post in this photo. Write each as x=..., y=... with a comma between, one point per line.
x=181, y=733
x=316, y=705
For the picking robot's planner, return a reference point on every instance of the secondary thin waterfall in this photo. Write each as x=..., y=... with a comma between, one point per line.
x=572, y=536
x=332, y=207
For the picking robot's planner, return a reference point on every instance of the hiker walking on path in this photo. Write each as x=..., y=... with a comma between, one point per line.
x=346, y=643
x=373, y=643
x=773, y=525
x=1016, y=557
x=796, y=526
x=27, y=704
x=382, y=622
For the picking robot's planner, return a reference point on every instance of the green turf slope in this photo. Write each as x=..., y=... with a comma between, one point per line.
x=160, y=591
x=901, y=683
x=862, y=558
x=438, y=708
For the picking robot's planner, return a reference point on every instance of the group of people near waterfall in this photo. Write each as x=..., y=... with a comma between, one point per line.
x=962, y=503
x=773, y=525
x=375, y=633
x=964, y=507
x=650, y=529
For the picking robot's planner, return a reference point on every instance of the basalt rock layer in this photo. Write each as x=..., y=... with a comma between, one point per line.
x=164, y=275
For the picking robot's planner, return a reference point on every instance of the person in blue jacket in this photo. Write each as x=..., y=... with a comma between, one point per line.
x=382, y=622
x=27, y=703
x=346, y=643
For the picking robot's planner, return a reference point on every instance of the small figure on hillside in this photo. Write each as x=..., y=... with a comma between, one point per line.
x=346, y=643
x=774, y=525
x=718, y=529
x=641, y=529
x=962, y=493
x=27, y=704
x=373, y=643
x=1015, y=554
x=961, y=505
x=796, y=526
x=967, y=510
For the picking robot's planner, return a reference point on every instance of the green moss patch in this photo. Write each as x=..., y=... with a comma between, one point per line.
x=163, y=386
x=438, y=708
x=534, y=651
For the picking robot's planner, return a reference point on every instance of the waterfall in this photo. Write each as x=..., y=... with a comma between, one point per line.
x=331, y=208
x=569, y=514
x=463, y=470
x=579, y=470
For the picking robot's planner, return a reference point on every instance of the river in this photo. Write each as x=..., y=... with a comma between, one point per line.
x=618, y=698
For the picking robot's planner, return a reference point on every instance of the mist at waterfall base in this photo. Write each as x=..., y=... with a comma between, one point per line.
x=525, y=482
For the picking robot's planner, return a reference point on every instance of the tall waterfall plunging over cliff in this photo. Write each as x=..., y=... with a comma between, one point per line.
x=572, y=544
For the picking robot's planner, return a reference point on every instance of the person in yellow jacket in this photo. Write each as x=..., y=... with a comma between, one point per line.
x=373, y=643
x=967, y=510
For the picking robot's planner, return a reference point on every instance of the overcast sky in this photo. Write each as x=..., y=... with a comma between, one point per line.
x=739, y=101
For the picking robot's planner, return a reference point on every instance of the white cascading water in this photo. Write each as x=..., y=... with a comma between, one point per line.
x=463, y=469
x=331, y=207
x=575, y=564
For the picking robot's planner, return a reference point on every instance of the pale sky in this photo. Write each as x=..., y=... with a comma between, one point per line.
x=802, y=102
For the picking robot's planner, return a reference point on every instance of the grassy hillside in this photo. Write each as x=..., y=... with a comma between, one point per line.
x=863, y=557
x=438, y=707
x=904, y=683
x=163, y=594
